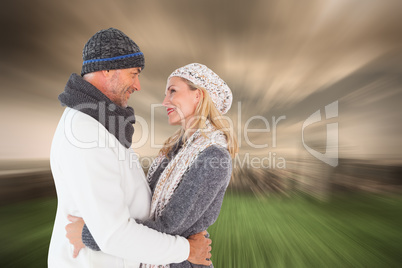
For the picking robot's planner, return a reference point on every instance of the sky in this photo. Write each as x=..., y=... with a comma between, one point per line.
x=284, y=60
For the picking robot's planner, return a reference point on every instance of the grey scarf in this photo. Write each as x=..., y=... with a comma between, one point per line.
x=84, y=97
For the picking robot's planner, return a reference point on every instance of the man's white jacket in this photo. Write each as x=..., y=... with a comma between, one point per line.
x=100, y=180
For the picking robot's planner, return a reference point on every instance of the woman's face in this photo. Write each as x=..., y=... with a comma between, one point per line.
x=180, y=101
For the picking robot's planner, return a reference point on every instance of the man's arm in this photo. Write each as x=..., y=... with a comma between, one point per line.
x=200, y=249
x=94, y=180
x=203, y=184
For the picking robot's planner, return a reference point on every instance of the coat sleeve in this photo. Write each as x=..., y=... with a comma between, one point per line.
x=94, y=179
x=198, y=198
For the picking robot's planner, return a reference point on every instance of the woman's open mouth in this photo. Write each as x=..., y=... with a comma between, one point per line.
x=169, y=110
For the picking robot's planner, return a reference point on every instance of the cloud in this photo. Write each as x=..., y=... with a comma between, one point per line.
x=279, y=57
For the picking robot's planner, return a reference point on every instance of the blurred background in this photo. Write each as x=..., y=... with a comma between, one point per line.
x=284, y=60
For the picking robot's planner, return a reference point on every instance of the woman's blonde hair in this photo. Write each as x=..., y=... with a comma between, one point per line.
x=205, y=110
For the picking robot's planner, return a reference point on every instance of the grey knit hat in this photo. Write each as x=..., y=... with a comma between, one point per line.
x=110, y=49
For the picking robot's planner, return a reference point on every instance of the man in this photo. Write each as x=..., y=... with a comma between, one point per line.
x=94, y=179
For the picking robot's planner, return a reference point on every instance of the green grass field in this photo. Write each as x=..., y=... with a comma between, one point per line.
x=349, y=231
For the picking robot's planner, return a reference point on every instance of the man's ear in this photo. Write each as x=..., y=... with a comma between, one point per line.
x=106, y=73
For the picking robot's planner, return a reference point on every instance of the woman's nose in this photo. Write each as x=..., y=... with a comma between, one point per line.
x=166, y=101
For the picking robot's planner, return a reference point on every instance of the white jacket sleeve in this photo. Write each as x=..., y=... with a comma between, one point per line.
x=94, y=179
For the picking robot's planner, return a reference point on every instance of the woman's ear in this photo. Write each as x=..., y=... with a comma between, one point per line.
x=198, y=95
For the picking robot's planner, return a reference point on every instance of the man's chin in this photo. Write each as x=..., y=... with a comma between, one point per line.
x=124, y=104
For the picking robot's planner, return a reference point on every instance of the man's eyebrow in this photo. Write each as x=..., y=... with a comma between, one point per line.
x=136, y=71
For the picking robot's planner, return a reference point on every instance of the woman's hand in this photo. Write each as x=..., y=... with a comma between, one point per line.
x=74, y=233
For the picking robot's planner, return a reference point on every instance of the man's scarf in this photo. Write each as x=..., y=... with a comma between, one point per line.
x=84, y=97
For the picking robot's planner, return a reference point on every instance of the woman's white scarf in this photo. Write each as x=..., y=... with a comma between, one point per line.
x=173, y=173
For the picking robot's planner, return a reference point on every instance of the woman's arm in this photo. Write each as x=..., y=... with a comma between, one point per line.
x=199, y=195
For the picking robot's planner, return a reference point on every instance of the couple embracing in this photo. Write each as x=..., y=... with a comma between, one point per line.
x=113, y=214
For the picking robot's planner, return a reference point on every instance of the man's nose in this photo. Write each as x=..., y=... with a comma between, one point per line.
x=137, y=85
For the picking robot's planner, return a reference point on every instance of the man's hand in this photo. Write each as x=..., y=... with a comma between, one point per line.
x=74, y=233
x=200, y=249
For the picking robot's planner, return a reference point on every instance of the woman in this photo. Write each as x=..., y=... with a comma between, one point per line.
x=190, y=175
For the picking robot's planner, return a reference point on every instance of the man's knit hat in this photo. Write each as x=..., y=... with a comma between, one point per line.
x=110, y=49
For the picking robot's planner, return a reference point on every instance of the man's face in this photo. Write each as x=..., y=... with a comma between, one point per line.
x=122, y=83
